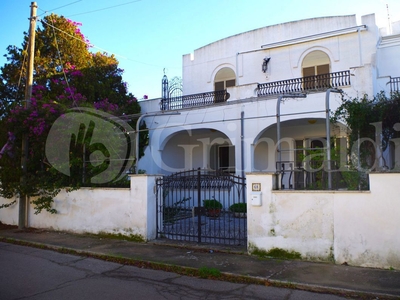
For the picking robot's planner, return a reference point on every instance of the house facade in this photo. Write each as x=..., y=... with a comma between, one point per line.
x=252, y=105
x=244, y=93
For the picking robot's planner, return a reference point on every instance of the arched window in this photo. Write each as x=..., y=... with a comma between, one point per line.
x=315, y=69
x=225, y=78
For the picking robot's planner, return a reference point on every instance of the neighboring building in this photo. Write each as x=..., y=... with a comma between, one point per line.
x=243, y=93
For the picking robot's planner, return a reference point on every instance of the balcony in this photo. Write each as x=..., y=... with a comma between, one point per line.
x=194, y=100
x=309, y=84
x=394, y=84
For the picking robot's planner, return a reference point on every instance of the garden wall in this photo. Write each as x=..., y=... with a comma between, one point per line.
x=361, y=228
x=127, y=211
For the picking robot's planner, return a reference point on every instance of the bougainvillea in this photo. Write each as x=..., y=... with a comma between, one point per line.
x=67, y=76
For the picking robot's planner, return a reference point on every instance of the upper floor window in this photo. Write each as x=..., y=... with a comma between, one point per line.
x=225, y=78
x=316, y=68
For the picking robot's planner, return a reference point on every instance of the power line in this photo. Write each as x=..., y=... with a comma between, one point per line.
x=92, y=45
x=62, y=67
x=101, y=49
x=45, y=11
x=22, y=68
x=101, y=9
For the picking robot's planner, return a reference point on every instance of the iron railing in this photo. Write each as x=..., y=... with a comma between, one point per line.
x=194, y=100
x=313, y=175
x=394, y=84
x=309, y=84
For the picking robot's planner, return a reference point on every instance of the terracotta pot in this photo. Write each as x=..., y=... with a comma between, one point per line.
x=213, y=212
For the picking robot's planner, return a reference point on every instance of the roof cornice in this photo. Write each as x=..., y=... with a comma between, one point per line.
x=389, y=41
x=314, y=37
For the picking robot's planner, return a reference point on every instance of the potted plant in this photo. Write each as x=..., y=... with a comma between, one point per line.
x=213, y=207
x=239, y=209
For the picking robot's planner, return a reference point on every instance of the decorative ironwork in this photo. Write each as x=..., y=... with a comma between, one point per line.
x=181, y=214
x=394, y=84
x=308, y=84
x=175, y=88
x=164, y=87
x=194, y=100
x=312, y=175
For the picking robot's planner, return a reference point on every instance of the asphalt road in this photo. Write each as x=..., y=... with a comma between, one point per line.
x=31, y=273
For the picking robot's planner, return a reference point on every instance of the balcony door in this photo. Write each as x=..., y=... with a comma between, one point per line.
x=316, y=69
x=223, y=79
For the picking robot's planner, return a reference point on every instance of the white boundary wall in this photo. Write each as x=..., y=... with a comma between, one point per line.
x=360, y=228
x=94, y=210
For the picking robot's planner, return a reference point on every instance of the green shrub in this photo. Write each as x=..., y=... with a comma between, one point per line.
x=212, y=204
x=238, y=208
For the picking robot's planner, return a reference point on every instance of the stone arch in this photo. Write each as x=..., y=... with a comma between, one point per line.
x=295, y=134
x=224, y=77
x=197, y=148
x=316, y=62
x=314, y=49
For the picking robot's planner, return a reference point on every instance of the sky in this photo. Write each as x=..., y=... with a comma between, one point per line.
x=149, y=37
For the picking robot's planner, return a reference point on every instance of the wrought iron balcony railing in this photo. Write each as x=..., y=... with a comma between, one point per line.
x=309, y=84
x=394, y=84
x=194, y=100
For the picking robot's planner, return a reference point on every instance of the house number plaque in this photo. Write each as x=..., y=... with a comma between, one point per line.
x=256, y=187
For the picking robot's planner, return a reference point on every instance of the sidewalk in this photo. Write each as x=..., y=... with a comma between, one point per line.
x=355, y=282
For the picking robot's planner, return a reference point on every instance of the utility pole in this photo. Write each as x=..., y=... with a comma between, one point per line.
x=23, y=198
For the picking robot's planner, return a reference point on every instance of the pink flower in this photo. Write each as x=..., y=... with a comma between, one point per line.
x=77, y=73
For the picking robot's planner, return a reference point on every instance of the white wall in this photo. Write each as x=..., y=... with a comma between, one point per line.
x=389, y=46
x=87, y=210
x=259, y=114
x=110, y=210
x=354, y=51
x=9, y=215
x=243, y=53
x=150, y=105
x=367, y=226
x=360, y=228
x=301, y=222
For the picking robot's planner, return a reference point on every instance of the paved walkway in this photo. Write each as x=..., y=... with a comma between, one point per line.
x=355, y=282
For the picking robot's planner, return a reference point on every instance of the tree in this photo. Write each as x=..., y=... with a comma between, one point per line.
x=66, y=75
x=359, y=114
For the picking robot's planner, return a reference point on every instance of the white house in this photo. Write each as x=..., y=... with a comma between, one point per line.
x=243, y=93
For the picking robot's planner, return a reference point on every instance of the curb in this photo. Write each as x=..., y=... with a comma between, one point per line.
x=195, y=272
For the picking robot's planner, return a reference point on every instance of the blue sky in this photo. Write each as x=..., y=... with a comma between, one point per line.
x=149, y=35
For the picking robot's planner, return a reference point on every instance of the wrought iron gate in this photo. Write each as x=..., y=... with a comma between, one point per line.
x=183, y=214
